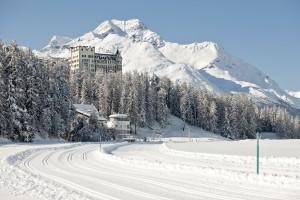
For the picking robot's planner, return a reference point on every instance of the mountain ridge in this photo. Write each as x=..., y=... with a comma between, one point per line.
x=294, y=93
x=204, y=64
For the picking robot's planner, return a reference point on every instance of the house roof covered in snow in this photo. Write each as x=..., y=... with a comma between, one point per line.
x=87, y=110
x=118, y=116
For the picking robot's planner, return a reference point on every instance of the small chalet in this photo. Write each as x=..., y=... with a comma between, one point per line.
x=120, y=126
x=85, y=110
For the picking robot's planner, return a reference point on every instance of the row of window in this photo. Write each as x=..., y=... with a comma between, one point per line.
x=107, y=57
x=97, y=61
x=86, y=60
x=89, y=56
x=107, y=70
x=82, y=48
x=107, y=61
x=100, y=68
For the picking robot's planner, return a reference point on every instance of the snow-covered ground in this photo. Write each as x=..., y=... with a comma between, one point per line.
x=177, y=130
x=202, y=169
x=268, y=148
x=294, y=93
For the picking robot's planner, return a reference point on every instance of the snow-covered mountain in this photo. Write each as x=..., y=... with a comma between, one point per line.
x=205, y=64
x=294, y=93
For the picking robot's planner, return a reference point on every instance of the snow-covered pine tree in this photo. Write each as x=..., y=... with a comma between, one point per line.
x=166, y=84
x=226, y=128
x=154, y=88
x=103, y=92
x=233, y=117
x=115, y=82
x=162, y=109
x=149, y=101
x=42, y=110
x=125, y=93
x=3, y=93
x=90, y=91
x=251, y=119
x=175, y=100
x=296, y=127
x=87, y=89
x=15, y=70
x=61, y=103
x=186, y=107
x=212, y=117
x=27, y=95
x=134, y=101
x=241, y=108
x=202, y=108
x=76, y=84
x=32, y=86
x=141, y=100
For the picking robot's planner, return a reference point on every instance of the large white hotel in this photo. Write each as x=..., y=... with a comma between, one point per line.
x=84, y=58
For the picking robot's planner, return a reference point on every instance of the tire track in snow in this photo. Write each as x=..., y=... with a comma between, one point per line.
x=291, y=169
x=76, y=161
x=219, y=170
x=112, y=185
x=57, y=179
x=68, y=157
x=178, y=186
x=242, y=191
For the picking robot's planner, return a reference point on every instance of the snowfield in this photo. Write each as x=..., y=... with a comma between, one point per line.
x=199, y=169
x=294, y=93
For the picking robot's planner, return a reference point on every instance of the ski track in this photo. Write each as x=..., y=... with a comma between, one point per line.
x=152, y=171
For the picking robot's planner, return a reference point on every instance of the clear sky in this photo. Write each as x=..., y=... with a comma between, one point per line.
x=264, y=33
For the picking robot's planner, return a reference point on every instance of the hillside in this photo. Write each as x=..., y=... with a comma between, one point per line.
x=294, y=93
x=178, y=130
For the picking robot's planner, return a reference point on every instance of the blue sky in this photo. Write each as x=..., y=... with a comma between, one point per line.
x=265, y=33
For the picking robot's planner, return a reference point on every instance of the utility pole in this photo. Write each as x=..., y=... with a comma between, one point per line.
x=100, y=140
x=100, y=143
x=257, y=153
x=189, y=133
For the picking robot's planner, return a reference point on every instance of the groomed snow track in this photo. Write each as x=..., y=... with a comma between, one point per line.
x=140, y=171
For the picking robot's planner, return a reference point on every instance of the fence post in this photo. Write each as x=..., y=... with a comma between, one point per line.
x=257, y=152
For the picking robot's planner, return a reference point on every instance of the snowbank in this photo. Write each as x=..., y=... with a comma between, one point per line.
x=4, y=141
x=268, y=148
x=282, y=180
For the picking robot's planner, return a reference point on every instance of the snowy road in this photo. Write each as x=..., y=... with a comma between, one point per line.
x=148, y=171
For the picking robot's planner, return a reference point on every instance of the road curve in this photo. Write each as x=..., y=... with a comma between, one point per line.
x=144, y=172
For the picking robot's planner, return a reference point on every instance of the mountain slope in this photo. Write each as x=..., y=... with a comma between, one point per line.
x=205, y=64
x=294, y=93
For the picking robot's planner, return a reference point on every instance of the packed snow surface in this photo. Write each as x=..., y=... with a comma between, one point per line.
x=198, y=169
x=204, y=64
